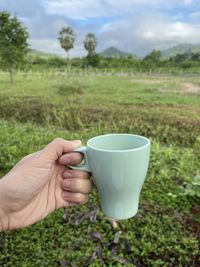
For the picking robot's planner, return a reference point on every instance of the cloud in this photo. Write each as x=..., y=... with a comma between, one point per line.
x=148, y=31
x=53, y=46
x=77, y=9
x=188, y=2
x=136, y=26
x=195, y=16
x=84, y=9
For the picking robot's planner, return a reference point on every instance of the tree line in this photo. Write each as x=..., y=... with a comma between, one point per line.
x=180, y=61
x=14, y=52
x=14, y=43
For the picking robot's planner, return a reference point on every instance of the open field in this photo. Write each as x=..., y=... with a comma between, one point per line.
x=166, y=230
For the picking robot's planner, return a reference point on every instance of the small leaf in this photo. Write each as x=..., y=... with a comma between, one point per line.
x=92, y=215
x=127, y=246
x=115, y=224
x=65, y=215
x=114, y=248
x=122, y=260
x=79, y=218
x=92, y=257
x=63, y=263
x=99, y=254
x=116, y=239
x=96, y=236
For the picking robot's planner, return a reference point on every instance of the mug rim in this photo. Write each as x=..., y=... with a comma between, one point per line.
x=118, y=134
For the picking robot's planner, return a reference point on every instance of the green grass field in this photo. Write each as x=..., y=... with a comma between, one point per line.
x=166, y=230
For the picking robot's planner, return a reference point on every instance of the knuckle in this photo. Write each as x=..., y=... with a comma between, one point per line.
x=58, y=140
x=67, y=184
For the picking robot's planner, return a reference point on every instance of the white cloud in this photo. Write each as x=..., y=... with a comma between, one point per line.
x=149, y=34
x=53, y=46
x=48, y=45
x=136, y=26
x=77, y=9
x=188, y=2
x=148, y=31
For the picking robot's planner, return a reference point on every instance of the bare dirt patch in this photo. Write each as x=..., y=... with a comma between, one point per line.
x=185, y=88
x=190, y=88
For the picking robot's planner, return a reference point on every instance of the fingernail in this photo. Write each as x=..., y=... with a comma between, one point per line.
x=67, y=175
x=67, y=183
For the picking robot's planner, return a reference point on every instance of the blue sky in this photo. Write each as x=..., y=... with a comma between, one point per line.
x=136, y=26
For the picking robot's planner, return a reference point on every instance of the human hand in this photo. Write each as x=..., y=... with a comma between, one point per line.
x=41, y=183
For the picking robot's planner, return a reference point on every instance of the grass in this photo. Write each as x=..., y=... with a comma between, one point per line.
x=166, y=230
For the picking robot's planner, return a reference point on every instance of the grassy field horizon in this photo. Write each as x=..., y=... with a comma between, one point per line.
x=166, y=230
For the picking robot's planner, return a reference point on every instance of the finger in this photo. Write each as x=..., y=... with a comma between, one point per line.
x=76, y=174
x=60, y=146
x=77, y=185
x=72, y=158
x=77, y=198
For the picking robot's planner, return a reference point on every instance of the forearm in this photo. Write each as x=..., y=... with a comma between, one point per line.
x=3, y=222
x=4, y=225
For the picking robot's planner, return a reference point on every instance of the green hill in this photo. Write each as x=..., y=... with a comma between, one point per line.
x=36, y=53
x=180, y=49
x=109, y=52
x=115, y=52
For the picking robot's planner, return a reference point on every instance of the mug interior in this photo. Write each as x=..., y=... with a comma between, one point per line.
x=120, y=142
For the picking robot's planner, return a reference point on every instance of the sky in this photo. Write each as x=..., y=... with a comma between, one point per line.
x=135, y=26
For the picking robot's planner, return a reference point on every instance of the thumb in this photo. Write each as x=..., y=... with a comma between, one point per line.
x=59, y=146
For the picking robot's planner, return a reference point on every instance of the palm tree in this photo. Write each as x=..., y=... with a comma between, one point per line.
x=67, y=39
x=90, y=43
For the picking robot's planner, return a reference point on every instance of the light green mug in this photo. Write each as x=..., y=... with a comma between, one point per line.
x=119, y=164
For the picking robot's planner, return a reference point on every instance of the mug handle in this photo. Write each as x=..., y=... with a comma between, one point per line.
x=85, y=165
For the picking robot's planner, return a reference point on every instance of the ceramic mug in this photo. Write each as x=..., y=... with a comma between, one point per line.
x=119, y=164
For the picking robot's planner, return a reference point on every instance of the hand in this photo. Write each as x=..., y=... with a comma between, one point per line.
x=40, y=183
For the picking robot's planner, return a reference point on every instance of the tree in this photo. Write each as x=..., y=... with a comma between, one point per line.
x=90, y=43
x=92, y=60
x=179, y=58
x=67, y=39
x=13, y=42
x=195, y=56
x=154, y=56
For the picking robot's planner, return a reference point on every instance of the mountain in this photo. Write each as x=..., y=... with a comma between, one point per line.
x=115, y=52
x=180, y=49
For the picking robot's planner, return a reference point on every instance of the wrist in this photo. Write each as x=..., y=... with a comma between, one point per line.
x=3, y=217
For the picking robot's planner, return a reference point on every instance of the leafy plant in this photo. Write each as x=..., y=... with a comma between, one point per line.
x=192, y=188
x=13, y=42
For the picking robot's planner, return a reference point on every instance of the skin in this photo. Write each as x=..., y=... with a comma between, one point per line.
x=41, y=183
